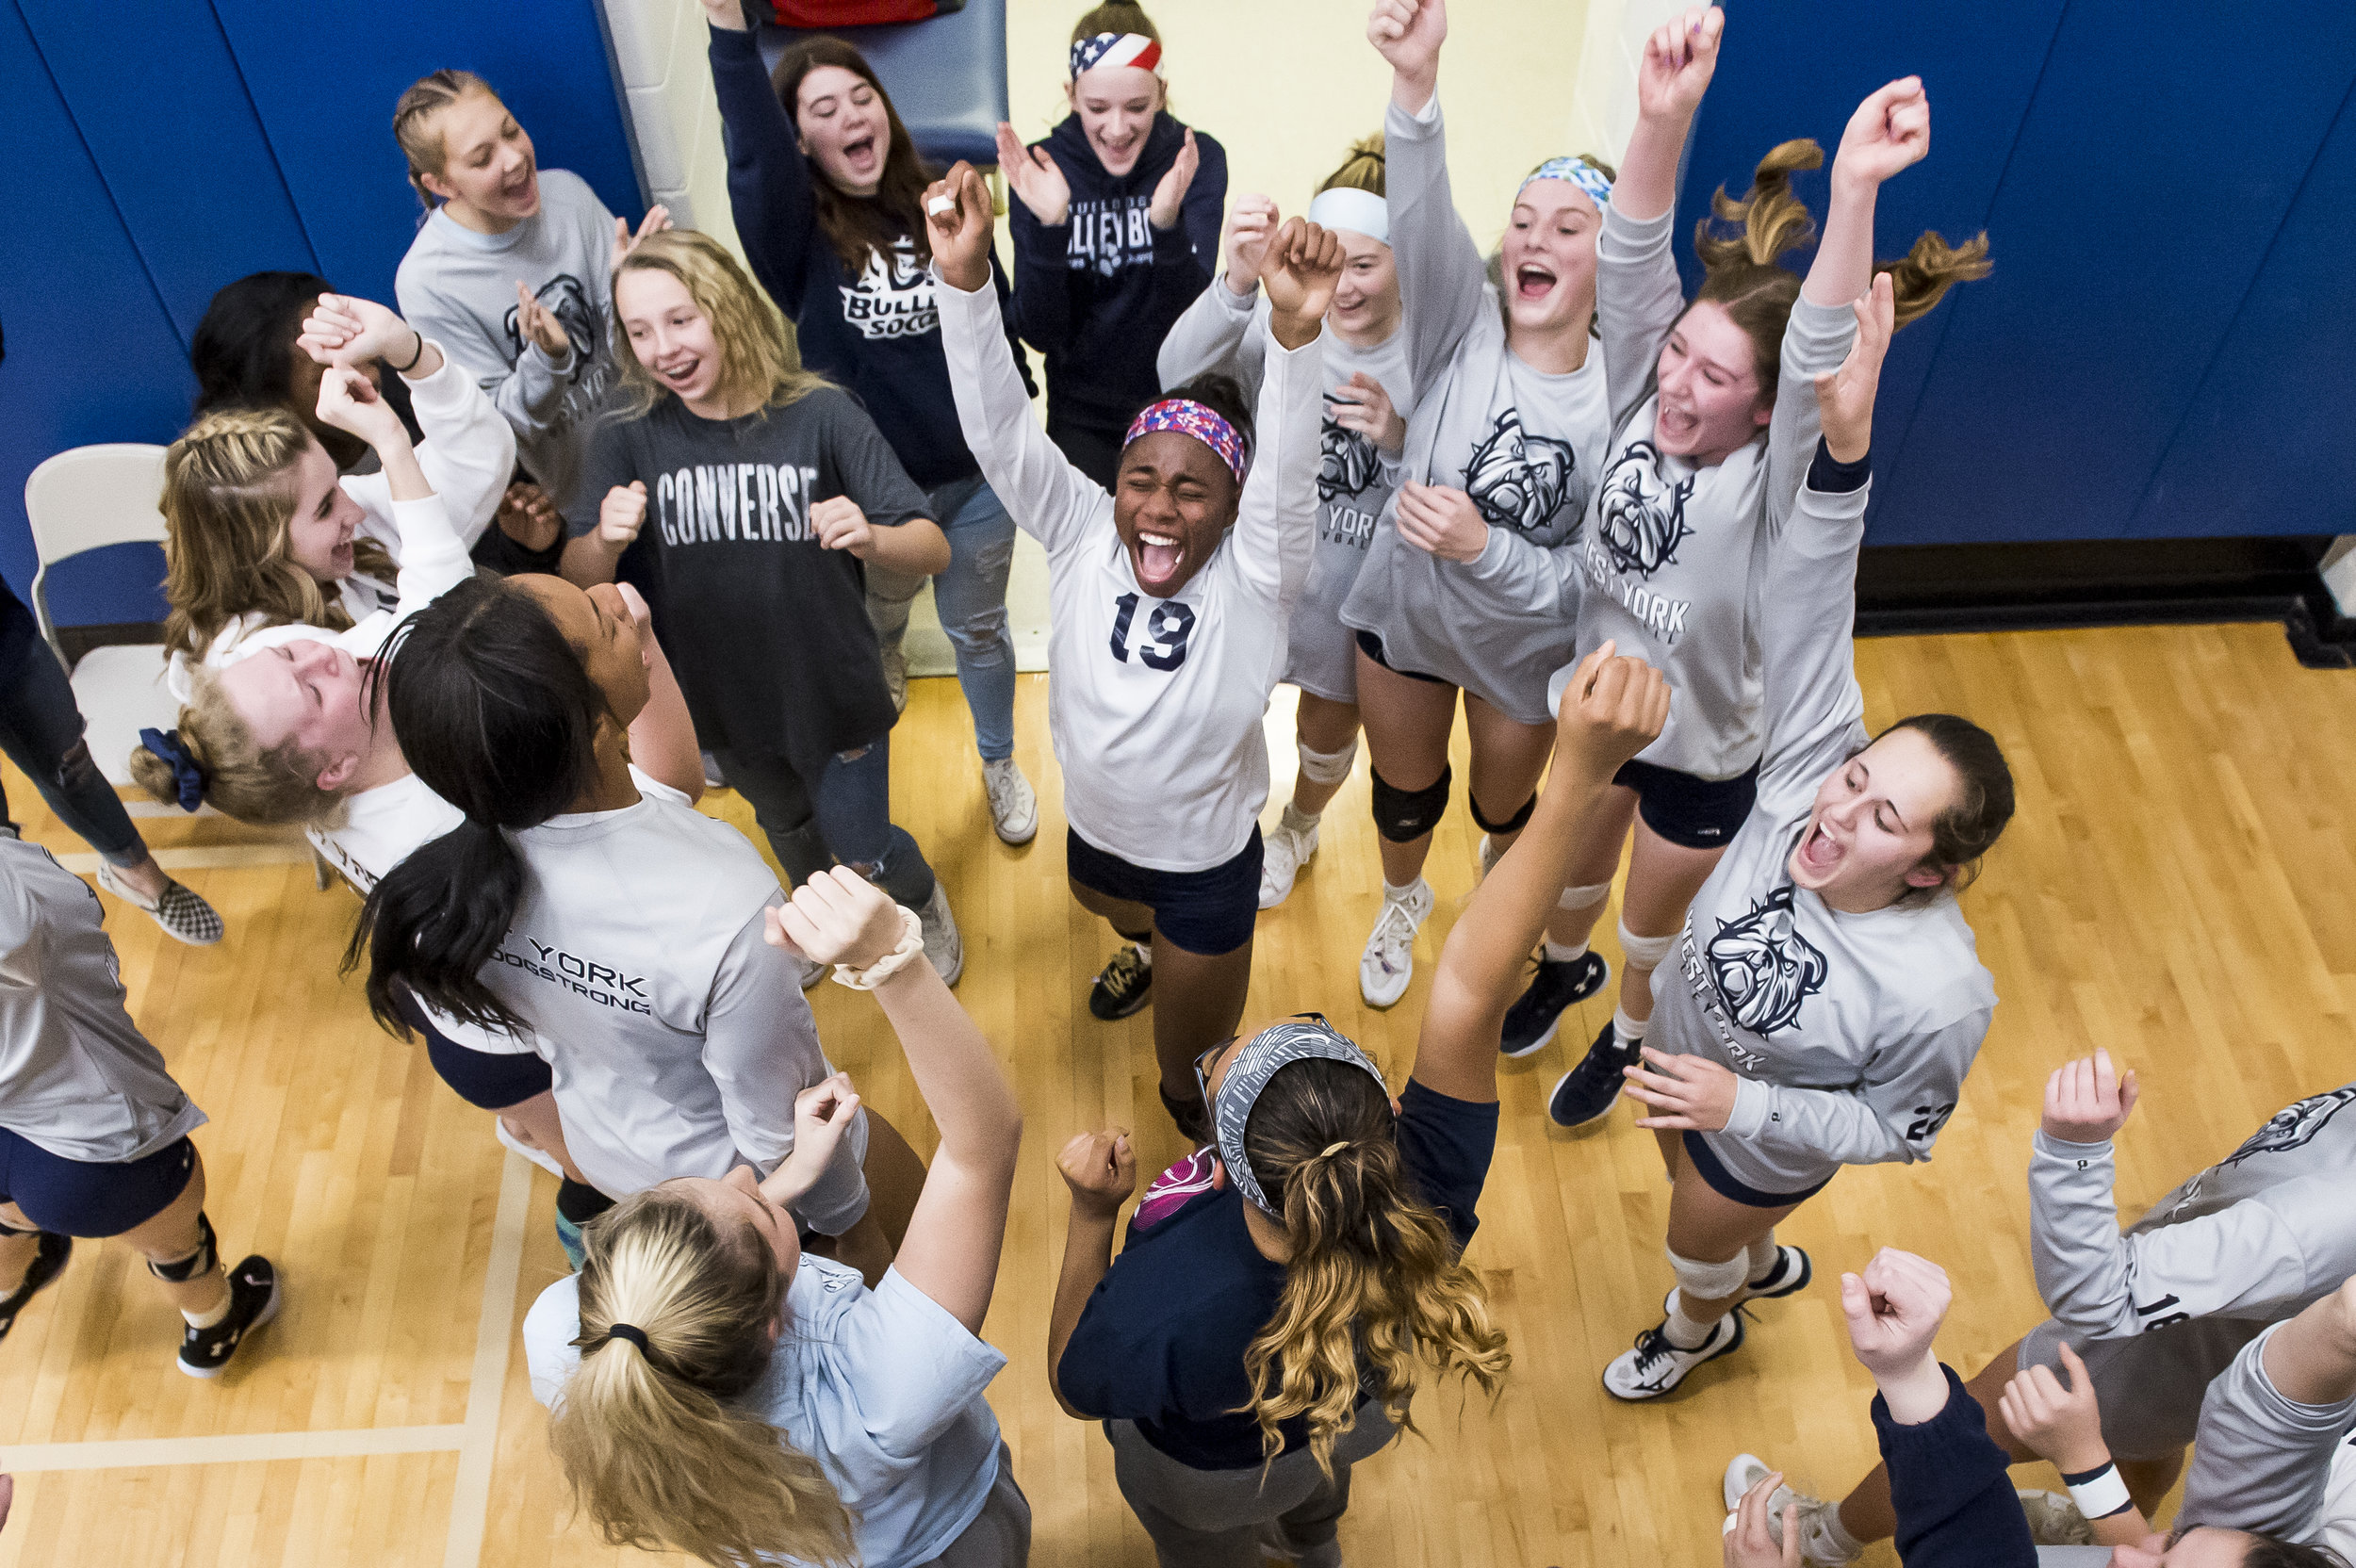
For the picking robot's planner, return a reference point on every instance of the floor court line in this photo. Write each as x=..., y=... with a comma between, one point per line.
x=470, y=1498
x=242, y=1448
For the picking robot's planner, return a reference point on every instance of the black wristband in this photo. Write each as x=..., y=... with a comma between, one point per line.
x=404, y=369
x=1829, y=476
x=2085, y=1475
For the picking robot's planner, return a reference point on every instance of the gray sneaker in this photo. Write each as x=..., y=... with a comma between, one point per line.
x=943, y=947
x=896, y=664
x=1013, y=804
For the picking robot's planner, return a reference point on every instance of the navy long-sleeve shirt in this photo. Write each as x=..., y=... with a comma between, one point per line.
x=1097, y=293
x=878, y=335
x=1951, y=1488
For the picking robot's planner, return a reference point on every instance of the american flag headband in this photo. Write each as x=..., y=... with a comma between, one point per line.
x=1113, y=50
x=1200, y=420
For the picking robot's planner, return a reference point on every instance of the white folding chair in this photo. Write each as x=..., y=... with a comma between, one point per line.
x=82, y=499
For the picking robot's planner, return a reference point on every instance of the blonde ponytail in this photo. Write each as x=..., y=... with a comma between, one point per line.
x=1363, y=169
x=1373, y=1283
x=654, y=1451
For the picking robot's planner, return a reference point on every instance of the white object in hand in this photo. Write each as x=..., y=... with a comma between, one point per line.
x=940, y=204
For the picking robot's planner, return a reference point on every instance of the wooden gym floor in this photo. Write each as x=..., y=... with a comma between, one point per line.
x=2174, y=888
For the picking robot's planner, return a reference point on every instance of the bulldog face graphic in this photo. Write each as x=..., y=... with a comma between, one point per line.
x=1764, y=969
x=1347, y=463
x=1637, y=521
x=2294, y=1125
x=1519, y=480
x=564, y=298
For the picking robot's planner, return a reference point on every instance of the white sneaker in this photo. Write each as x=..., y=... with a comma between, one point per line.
x=1817, y=1519
x=1013, y=804
x=1747, y=1471
x=944, y=948
x=1283, y=853
x=1655, y=1366
x=1389, y=961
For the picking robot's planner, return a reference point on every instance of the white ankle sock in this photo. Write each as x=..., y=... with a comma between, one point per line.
x=1557, y=953
x=1400, y=895
x=1765, y=1255
x=1297, y=820
x=1683, y=1332
x=1628, y=1032
x=212, y=1318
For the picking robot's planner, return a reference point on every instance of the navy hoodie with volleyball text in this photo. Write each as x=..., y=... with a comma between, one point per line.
x=1097, y=293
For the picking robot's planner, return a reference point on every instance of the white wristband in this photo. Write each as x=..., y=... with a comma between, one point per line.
x=2101, y=1493
x=911, y=946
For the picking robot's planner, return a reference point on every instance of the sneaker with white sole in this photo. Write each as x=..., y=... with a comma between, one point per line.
x=1389, y=961
x=253, y=1301
x=1745, y=1471
x=1283, y=852
x=1122, y=987
x=1013, y=804
x=1790, y=1274
x=1819, y=1525
x=1655, y=1366
x=184, y=916
x=1592, y=1087
x=2054, y=1520
x=943, y=947
x=1555, y=985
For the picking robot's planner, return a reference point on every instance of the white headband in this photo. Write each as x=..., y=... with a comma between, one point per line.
x=1359, y=211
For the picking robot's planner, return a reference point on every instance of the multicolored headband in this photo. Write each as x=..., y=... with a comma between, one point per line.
x=1305, y=1038
x=1359, y=211
x=187, y=776
x=1200, y=420
x=1113, y=50
x=1579, y=172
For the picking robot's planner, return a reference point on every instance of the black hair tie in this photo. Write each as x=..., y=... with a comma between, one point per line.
x=631, y=1331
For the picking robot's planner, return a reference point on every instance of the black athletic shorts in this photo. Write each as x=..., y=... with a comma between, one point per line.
x=86, y=1197
x=1371, y=645
x=1209, y=913
x=1699, y=813
x=491, y=1079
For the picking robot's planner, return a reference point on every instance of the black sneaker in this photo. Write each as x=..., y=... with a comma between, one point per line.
x=1123, y=986
x=1554, y=984
x=1588, y=1089
x=253, y=1301
x=48, y=1263
x=1790, y=1274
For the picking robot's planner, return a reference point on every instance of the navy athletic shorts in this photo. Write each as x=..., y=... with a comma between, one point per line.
x=491, y=1079
x=1726, y=1185
x=1209, y=913
x=1371, y=645
x=1699, y=813
x=86, y=1198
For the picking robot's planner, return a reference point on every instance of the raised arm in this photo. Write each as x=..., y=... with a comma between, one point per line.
x=954, y=1237
x=1611, y=710
x=1051, y=500
x=2262, y=1456
x=1276, y=517
x=769, y=190
x=663, y=736
x=1038, y=220
x=433, y=561
x=1443, y=283
x=761, y=1045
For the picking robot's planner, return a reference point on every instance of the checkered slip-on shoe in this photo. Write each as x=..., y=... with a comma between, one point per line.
x=184, y=916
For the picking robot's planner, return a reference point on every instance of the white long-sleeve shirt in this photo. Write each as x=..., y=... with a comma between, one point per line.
x=1852, y=1032
x=1156, y=703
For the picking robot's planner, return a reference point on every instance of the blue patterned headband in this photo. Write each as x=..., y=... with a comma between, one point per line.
x=1306, y=1038
x=1579, y=172
x=186, y=772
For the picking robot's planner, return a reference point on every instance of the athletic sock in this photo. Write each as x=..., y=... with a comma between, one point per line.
x=1145, y=953
x=1558, y=953
x=1764, y=1257
x=1627, y=1033
x=1297, y=820
x=1682, y=1331
x=1398, y=894
x=211, y=1319
x=1824, y=1537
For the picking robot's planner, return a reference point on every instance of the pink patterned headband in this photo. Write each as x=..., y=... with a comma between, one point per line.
x=1188, y=417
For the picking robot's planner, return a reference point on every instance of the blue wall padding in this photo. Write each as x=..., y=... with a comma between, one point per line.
x=170, y=146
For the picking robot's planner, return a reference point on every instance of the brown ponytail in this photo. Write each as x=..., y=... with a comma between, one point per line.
x=1119, y=16
x=1968, y=829
x=1743, y=273
x=654, y=1452
x=1374, y=1273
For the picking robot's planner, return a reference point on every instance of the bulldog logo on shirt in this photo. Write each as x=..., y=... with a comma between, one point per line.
x=1519, y=480
x=1764, y=968
x=1347, y=461
x=2295, y=1126
x=893, y=296
x=1640, y=524
x=564, y=297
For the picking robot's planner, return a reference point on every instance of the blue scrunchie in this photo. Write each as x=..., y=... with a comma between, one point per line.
x=185, y=772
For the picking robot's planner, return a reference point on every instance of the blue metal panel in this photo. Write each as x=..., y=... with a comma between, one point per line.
x=947, y=76
x=158, y=102
x=324, y=76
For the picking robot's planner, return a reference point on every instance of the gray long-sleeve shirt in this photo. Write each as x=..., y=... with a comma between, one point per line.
x=2258, y=1236
x=1524, y=445
x=1228, y=333
x=2261, y=1461
x=1676, y=557
x=1852, y=1032
x=76, y=1076
x=458, y=287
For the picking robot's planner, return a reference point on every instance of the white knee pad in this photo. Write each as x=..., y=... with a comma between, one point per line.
x=1583, y=898
x=1712, y=1281
x=1327, y=767
x=1645, y=952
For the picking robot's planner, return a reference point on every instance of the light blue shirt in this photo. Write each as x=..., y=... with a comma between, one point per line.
x=883, y=1388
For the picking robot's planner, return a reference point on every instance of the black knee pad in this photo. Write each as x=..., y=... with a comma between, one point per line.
x=1404, y=816
x=1514, y=824
x=196, y=1264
